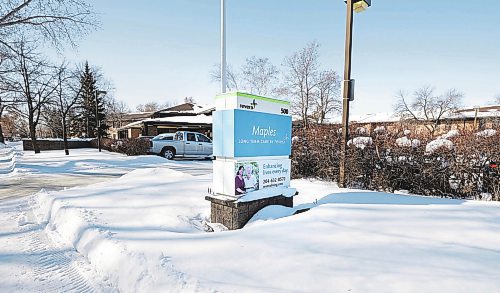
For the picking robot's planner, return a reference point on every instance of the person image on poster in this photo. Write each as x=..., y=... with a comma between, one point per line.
x=251, y=183
x=239, y=182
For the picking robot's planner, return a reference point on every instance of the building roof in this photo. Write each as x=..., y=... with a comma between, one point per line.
x=182, y=119
x=186, y=108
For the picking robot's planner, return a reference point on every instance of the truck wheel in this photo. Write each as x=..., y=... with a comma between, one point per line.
x=168, y=153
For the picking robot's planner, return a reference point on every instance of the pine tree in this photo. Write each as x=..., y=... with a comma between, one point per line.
x=83, y=120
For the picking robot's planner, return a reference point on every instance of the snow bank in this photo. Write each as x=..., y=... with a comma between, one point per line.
x=406, y=142
x=145, y=233
x=267, y=192
x=487, y=133
x=7, y=159
x=379, y=129
x=434, y=145
x=360, y=142
x=145, y=203
x=450, y=134
x=362, y=131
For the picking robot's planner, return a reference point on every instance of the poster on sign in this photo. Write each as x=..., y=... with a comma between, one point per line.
x=261, y=174
x=247, y=177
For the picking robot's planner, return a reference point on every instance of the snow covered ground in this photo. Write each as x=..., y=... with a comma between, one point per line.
x=146, y=232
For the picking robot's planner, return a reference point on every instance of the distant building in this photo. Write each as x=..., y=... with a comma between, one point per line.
x=187, y=116
x=475, y=118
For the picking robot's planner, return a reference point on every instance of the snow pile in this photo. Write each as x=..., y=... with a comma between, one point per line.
x=362, y=131
x=406, y=142
x=144, y=206
x=436, y=144
x=7, y=159
x=487, y=133
x=143, y=235
x=450, y=134
x=379, y=129
x=407, y=132
x=145, y=232
x=360, y=142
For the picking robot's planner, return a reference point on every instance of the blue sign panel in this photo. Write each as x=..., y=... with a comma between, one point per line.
x=261, y=134
x=256, y=134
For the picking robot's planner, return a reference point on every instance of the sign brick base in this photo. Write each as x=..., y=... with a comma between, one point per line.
x=234, y=215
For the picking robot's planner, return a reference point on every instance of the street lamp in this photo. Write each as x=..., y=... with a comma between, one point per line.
x=97, y=121
x=223, y=74
x=348, y=83
x=476, y=109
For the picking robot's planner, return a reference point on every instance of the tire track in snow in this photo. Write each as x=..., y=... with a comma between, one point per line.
x=56, y=269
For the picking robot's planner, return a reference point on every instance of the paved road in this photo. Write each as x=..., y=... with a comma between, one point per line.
x=55, y=173
x=27, y=184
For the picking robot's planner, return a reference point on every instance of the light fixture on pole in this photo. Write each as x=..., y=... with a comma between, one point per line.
x=223, y=74
x=348, y=83
x=97, y=121
x=361, y=5
x=476, y=109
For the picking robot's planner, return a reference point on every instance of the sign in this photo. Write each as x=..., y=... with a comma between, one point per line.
x=241, y=133
x=252, y=144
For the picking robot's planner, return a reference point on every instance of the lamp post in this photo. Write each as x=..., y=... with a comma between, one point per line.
x=97, y=121
x=223, y=74
x=476, y=109
x=348, y=83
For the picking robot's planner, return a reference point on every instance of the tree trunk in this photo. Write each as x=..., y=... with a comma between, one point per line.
x=34, y=143
x=66, y=148
x=2, y=139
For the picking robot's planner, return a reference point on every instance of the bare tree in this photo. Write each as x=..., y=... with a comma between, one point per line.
x=189, y=100
x=116, y=111
x=301, y=79
x=35, y=83
x=5, y=102
x=233, y=78
x=149, y=107
x=327, y=100
x=8, y=100
x=259, y=74
x=67, y=94
x=54, y=20
x=427, y=108
x=496, y=100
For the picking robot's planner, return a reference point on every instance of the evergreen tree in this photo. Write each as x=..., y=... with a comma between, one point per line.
x=83, y=120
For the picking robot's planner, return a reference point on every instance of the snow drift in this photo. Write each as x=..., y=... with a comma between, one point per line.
x=145, y=232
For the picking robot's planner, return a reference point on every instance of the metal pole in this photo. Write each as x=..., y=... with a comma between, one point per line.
x=223, y=46
x=346, y=93
x=475, y=117
x=97, y=122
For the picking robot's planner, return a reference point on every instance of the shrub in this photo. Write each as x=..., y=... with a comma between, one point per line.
x=391, y=163
x=129, y=146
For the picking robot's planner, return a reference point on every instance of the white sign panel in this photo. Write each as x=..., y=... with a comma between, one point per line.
x=252, y=103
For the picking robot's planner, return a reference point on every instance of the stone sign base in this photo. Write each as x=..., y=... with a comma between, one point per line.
x=234, y=214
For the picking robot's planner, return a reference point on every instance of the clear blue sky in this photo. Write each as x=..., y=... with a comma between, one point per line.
x=163, y=50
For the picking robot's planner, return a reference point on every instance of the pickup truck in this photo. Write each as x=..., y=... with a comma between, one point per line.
x=181, y=144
